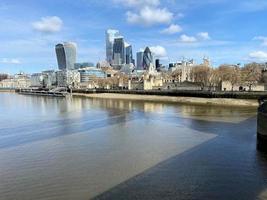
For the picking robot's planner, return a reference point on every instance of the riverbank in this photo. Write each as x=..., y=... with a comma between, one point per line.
x=172, y=99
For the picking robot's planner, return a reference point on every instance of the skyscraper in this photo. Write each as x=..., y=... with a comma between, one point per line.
x=139, y=60
x=129, y=54
x=110, y=37
x=119, y=51
x=157, y=62
x=66, y=55
x=148, y=60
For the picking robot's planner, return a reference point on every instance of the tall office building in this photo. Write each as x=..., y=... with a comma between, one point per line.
x=110, y=37
x=157, y=62
x=129, y=54
x=66, y=55
x=148, y=60
x=139, y=60
x=118, y=51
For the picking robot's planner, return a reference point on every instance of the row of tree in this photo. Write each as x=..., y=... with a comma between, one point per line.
x=119, y=80
x=248, y=75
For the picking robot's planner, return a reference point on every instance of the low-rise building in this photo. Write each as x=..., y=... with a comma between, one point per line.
x=83, y=65
x=91, y=73
x=146, y=82
x=69, y=78
x=37, y=80
x=50, y=78
x=46, y=79
x=16, y=82
x=181, y=70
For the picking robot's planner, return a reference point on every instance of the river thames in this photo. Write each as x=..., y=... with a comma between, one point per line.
x=80, y=148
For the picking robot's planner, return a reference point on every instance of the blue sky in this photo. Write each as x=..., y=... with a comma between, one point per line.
x=224, y=30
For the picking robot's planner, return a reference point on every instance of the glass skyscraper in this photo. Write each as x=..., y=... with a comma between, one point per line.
x=110, y=37
x=139, y=60
x=147, y=59
x=129, y=54
x=66, y=55
x=119, y=51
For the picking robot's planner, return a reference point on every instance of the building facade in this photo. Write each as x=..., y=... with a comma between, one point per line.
x=181, y=71
x=158, y=66
x=68, y=78
x=111, y=34
x=83, y=65
x=16, y=82
x=66, y=55
x=139, y=60
x=148, y=61
x=37, y=80
x=119, y=57
x=90, y=74
x=129, y=54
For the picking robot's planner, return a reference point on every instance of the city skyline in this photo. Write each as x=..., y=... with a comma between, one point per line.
x=224, y=31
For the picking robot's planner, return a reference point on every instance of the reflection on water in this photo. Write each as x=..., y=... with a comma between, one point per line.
x=78, y=148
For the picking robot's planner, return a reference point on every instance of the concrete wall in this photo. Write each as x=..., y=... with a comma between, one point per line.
x=181, y=86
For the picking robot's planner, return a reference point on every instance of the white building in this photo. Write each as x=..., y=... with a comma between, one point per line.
x=37, y=80
x=68, y=78
x=16, y=82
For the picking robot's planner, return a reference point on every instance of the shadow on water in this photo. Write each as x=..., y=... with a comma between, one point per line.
x=222, y=168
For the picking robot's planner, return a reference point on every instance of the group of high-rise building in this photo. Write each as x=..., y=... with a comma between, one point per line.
x=119, y=53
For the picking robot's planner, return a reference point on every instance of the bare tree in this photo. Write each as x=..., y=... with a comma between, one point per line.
x=3, y=77
x=251, y=74
x=200, y=74
x=214, y=78
x=230, y=73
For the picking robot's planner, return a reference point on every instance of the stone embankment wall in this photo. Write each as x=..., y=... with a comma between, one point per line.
x=180, y=93
x=174, y=99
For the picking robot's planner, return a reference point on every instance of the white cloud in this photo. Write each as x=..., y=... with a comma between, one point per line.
x=258, y=55
x=172, y=29
x=187, y=39
x=261, y=38
x=149, y=16
x=146, y=12
x=203, y=36
x=138, y=3
x=10, y=61
x=200, y=37
x=158, y=51
x=48, y=24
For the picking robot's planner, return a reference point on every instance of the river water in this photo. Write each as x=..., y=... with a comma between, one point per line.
x=81, y=148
